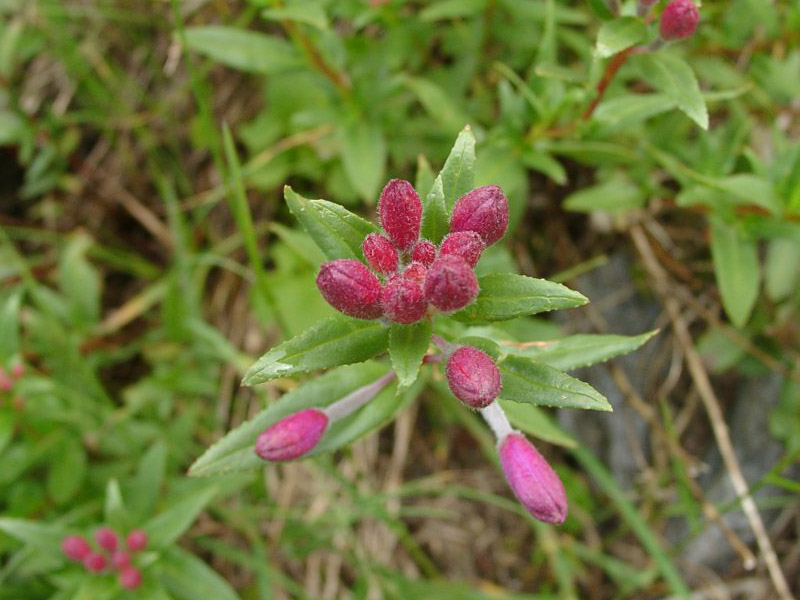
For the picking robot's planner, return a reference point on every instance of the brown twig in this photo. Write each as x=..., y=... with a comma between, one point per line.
x=606, y=79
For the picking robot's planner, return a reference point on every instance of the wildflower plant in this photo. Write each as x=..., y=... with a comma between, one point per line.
x=408, y=289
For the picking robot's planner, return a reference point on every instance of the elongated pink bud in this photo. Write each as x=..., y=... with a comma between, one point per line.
x=533, y=481
x=679, y=20
x=473, y=377
x=466, y=244
x=293, y=436
x=424, y=252
x=380, y=254
x=403, y=300
x=130, y=578
x=450, y=283
x=75, y=547
x=137, y=540
x=351, y=288
x=401, y=213
x=94, y=562
x=106, y=539
x=483, y=210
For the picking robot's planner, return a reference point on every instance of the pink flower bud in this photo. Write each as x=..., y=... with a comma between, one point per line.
x=401, y=213
x=94, y=562
x=403, y=300
x=466, y=244
x=18, y=370
x=416, y=272
x=351, y=288
x=106, y=539
x=137, y=540
x=130, y=578
x=483, y=210
x=5, y=382
x=424, y=252
x=533, y=481
x=679, y=20
x=380, y=254
x=473, y=377
x=120, y=560
x=293, y=436
x=450, y=284
x=75, y=547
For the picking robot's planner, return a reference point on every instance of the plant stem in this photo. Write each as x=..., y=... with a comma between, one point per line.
x=496, y=418
x=355, y=400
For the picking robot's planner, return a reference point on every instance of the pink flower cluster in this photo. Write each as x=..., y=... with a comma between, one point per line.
x=417, y=275
x=110, y=555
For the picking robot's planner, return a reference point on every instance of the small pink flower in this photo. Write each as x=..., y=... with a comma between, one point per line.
x=94, y=562
x=106, y=539
x=380, y=254
x=424, y=252
x=130, y=578
x=533, y=481
x=351, y=288
x=473, y=377
x=466, y=244
x=679, y=20
x=450, y=284
x=293, y=436
x=483, y=210
x=401, y=213
x=75, y=547
x=137, y=540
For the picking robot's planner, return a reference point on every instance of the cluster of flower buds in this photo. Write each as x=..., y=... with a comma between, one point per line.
x=416, y=274
x=7, y=383
x=109, y=556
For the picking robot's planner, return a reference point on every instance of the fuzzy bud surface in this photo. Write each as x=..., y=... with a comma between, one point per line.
x=416, y=272
x=404, y=301
x=351, y=288
x=483, y=210
x=137, y=540
x=75, y=547
x=106, y=539
x=533, y=480
x=424, y=252
x=679, y=20
x=293, y=436
x=473, y=377
x=130, y=578
x=466, y=244
x=400, y=212
x=380, y=254
x=450, y=283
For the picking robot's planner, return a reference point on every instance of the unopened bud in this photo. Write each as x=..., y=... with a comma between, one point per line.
x=137, y=540
x=120, y=560
x=75, y=547
x=416, y=272
x=94, y=562
x=483, y=210
x=106, y=539
x=451, y=283
x=403, y=301
x=679, y=20
x=351, y=288
x=130, y=578
x=466, y=244
x=18, y=370
x=293, y=436
x=473, y=377
x=401, y=213
x=533, y=480
x=424, y=252
x=5, y=382
x=380, y=254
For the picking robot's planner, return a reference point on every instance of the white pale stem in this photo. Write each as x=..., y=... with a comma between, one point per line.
x=355, y=400
x=497, y=420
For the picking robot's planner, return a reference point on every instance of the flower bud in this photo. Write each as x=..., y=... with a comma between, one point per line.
x=94, y=562
x=137, y=540
x=5, y=382
x=450, y=283
x=483, y=210
x=679, y=20
x=533, y=481
x=380, y=254
x=416, y=272
x=293, y=436
x=351, y=288
x=424, y=252
x=18, y=370
x=130, y=578
x=75, y=547
x=403, y=300
x=466, y=244
x=120, y=560
x=401, y=213
x=473, y=377
x=106, y=539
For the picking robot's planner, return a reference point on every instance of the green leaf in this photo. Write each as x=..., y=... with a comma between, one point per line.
x=115, y=512
x=336, y=341
x=338, y=232
x=454, y=180
x=67, y=470
x=168, y=526
x=670, y=74
x=438, y=103
x=506, y=296
x=363, y=156
x=630, y=109
x=234, y=452
x=615, y=195
x=407, y=345
x=97, y=588
x=451, y=9
x=544, y=163
x=580, y=350
x=536, y=422
x=736, y=268
x=80, y=282
x=308, y=12
x=189, y=578
x=43, y=538
x=7, y=423
x=9, y=326
x=600, y=8
x=619, y=34
x=782, y=268
x=242, y=49
x=750, y=189
x=525, y=380
x=149, y=479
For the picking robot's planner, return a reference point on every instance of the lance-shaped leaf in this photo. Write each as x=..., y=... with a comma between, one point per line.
x=506, y=296
x=336, y=341
x=670, y=74
x=407, y=346
x=525, y=380
x=338, y=232
x=619, y=34
x=580, y=350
